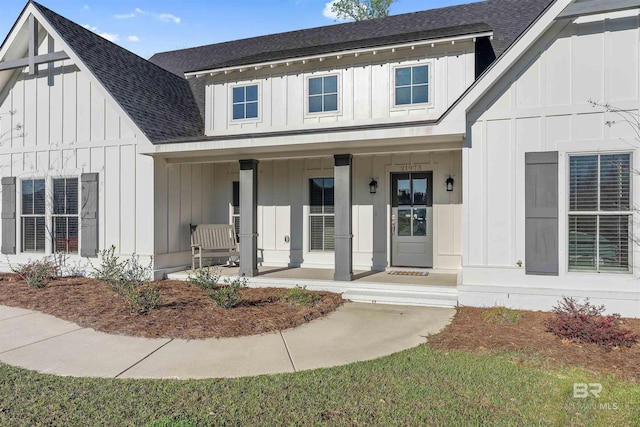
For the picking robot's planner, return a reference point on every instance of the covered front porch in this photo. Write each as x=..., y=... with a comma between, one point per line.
x=336, y=217
x=395, y=286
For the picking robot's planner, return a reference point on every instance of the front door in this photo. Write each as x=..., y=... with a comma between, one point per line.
x=412, y=219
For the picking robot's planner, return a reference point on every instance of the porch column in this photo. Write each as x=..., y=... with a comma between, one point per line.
x=342, y=208
x=248, y=218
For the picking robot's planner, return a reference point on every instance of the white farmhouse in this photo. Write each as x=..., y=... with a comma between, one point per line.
x=459, y=140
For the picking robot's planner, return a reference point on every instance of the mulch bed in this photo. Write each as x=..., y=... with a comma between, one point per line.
x=185, y=311
x=470, y=332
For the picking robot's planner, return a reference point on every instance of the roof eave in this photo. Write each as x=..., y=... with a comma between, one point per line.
x=339, y=54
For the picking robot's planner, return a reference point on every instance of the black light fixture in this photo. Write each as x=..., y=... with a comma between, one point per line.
x=449, y=183
x=373, y=186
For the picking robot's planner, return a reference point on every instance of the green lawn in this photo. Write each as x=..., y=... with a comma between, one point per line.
x=420, y=386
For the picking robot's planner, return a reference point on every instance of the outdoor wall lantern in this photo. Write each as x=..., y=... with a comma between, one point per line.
x=373, y=186
x=449, y=183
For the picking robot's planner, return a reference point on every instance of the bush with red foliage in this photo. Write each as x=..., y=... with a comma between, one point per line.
x=585, y=322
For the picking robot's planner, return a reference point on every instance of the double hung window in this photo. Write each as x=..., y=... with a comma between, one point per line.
x=33, y=215
x=235, y=208
x=321, y=214
x=61, y=216
x=600, y=215
x=65, y=215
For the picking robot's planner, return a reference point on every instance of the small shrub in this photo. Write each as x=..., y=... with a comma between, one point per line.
x=111, y=269
x=300, y=296
x=501, y=315
x=130, y=279
x=228, y=296
x=37, y=273
x=586, y=323
x=142, y=297
x=205, y=278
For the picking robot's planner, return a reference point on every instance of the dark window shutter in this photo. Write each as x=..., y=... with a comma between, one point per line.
x=89, y=215
x=541, y=213
x=9, y=215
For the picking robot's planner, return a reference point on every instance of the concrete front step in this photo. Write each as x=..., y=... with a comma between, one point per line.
x=424, y=297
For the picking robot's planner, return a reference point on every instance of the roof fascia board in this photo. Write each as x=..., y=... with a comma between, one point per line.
x=340, y=54
x=504, y=63
x=307, y=137
x=595, y=7
x=86, y=70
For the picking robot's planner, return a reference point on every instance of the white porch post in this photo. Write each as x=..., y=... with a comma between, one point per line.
x=342, y=208
x=248, y=218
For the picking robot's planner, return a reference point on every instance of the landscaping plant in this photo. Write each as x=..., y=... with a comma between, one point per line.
x=130, y=279
x=300, y=296
x=205, y=278
x=37, y=273
x=228, y=296
x=111, y=269
x=585, y=322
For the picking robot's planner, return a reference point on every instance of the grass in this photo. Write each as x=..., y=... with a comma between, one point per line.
x=420, y=386
x=501, y=315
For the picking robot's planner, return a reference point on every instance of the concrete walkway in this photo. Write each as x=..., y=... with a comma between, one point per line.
x=355, y=332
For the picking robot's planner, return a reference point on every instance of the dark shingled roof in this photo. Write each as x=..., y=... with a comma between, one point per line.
x=507, y=18
x=159, y=102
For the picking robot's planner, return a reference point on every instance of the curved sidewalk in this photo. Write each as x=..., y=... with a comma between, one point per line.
x=355, y=332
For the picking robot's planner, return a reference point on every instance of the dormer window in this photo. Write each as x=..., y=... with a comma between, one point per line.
x=245, y=102
x=323, y=94
x=412, y=85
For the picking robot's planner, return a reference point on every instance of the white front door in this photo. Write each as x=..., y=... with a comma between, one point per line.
x=412, y=219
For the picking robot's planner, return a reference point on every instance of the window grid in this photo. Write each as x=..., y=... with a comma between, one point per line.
x=600, y=217
x=33, y=215
x=245, y=102
x=323, y=94
x=235, y=208
x=64, y=216
x=412, y=85
x=321, y=214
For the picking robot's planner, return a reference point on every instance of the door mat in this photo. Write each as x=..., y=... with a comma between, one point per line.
x=408, y=273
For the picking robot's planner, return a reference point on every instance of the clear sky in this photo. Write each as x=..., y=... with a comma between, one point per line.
x=149, y=26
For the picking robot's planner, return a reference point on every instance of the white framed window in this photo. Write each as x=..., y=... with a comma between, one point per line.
x=64, y=215
x=321, y=214
x=51, y=216
x=322, y=94
x=600, y=213
x=411, y=85
x=33, y=215
x=235, y=208
x=245, y=102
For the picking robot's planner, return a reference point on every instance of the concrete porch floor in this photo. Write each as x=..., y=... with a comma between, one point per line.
x=438, y=288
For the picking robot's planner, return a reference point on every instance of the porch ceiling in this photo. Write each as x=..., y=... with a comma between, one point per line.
x=318, y=149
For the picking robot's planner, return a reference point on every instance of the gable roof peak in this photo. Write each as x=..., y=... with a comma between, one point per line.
x=160, y=103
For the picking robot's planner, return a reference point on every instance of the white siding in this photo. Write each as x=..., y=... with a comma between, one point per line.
x=72, y=127
x=365, y=90
x=542, y=104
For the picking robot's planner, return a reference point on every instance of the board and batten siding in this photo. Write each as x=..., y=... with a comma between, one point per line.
x=61, y=123
x=365, y=90
x=542, y=104
x=202, y=193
